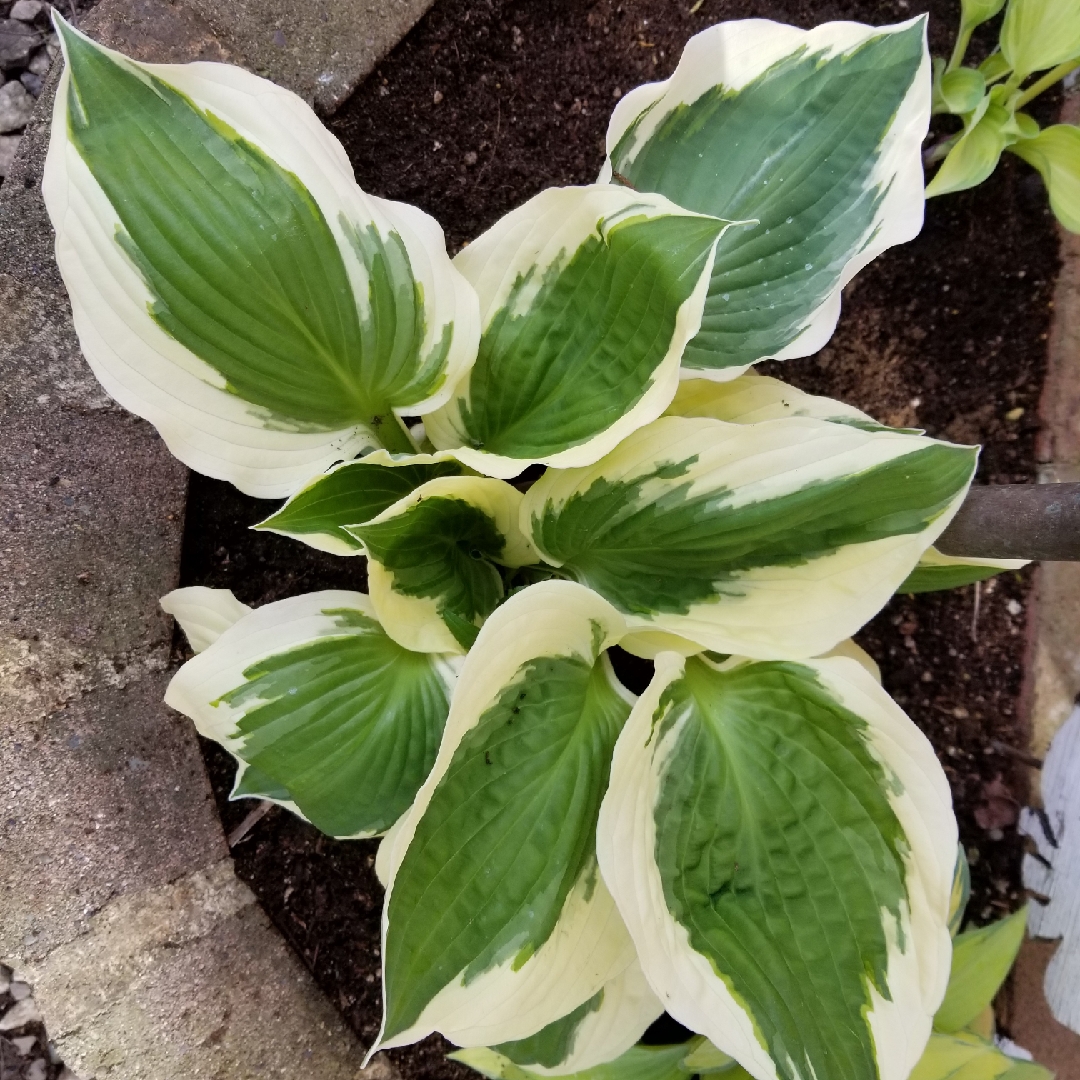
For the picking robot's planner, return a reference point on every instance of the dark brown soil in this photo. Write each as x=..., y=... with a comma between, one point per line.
x=484, y=104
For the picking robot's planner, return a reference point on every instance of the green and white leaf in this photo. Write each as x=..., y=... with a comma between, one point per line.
x=229, y=280
x=595, y=1033
x=975, y=155
x=352, y=493
x=496, y=922
x=816, y=136
x=961, y=893
x=779, y=839
x=775, y=540
x=588, y=296
x=752, y=398
x=1040, y=34
x=967, y=1056
x=203, y=614
x=981, y=960
x=1055, y=152
x=327, y=712
x=937, y=571
x=638, y=1063
x=433, y=559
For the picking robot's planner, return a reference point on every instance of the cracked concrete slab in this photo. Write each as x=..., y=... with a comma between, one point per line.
x=115, y=989
x=320, y=49
x=117, y=896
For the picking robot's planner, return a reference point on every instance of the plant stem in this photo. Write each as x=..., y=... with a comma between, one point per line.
x=940, y=150
x=963, y=38
x=391, y=432
x=1048, y=80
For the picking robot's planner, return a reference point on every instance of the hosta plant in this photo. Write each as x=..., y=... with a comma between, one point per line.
x=964, y=1044
x=1039, y=45
x=552, y=447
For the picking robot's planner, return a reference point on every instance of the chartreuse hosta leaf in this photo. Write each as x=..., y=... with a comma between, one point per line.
x=937, y=571
x=327, y=712
x=981, y=960
x=967, y=1056
x=779, y=839
x=433, y=559
x=1055, y=152
x=1040, y=34
x=352, y=493
x=596, y=1032
x=229, y=280
x=638, y=1063
x=496, y=922
x=813, y=134
x=588, y=296
x=775, y=540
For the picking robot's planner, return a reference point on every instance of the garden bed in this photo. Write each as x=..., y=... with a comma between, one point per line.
x=484, y=104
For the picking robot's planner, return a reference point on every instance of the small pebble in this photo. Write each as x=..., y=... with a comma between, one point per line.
x=8, y=145
x=40, y=62
x=19, y=1015
x=16, y=105
x=1014, y=414
x=437, y=97
x=470, y=158
x=24, y=1044
x=32, y=82
x=1014, y=607
x=26, y=10
x=20, y=991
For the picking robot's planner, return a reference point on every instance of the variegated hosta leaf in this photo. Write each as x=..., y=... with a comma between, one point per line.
x=231, y=283
x=814, y=134
x=967, y=1056
x=588, y=296
x=638, y=1063
x=433, y=559
x=328, y=713
x=775, y=540
x=352, y=493
x=961, y=892
x=752, y=397
x=981, y=960
x=203, y=614
x=597, y=1032
x=937, y=571
x=496, y=922
x=779, y=839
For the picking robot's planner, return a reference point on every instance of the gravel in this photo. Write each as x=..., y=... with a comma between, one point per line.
x=28, y=48
x=16, y=106
x=25, y=1053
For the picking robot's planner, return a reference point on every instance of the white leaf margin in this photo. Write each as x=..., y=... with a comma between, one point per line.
x=589, y=945
x=735, y=53
x=751, y=398
x=197, y=688
x=783, y=612
x=203, y=614
x=150, y=373
x=536, y=235
x=685, y=980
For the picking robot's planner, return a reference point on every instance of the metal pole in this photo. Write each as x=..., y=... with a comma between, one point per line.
x=1017, y=521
